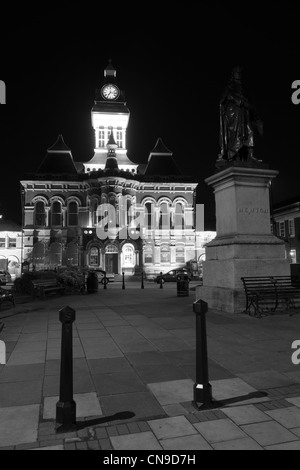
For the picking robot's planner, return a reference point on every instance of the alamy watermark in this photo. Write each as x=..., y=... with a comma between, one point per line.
x=124, y=223
x=296, y=94
x=296, y=354
x=2, y=92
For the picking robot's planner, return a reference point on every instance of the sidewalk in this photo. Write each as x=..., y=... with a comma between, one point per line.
x=134, y=371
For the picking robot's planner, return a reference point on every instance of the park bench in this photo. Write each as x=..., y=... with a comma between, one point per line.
x=43, y=286
x=267, y=293
x=6, y=295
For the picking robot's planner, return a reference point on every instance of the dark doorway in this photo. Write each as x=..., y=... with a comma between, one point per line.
x=111, y=263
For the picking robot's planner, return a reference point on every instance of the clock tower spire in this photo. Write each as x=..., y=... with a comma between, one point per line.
x=110, y=115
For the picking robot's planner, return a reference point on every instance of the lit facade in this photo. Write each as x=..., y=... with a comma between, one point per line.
x=10, y=247
x=146, y=212
x=286, y=225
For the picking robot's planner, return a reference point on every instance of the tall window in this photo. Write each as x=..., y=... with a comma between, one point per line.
x=39, y=214
x=148, y=254
x=291, y=227
x=165, y=255
x=179, y=217
x=281, y=229
x=56, y=214
x=180, y=258
x=94, y=256
x=73, y=214
x=38, y=255
x=128, y=206
x=128, y=252
x=2, y=242
x=119, y=138
x=101, y=140
x=164, y=217
x=72, y=254
x=94, y=207
x=148, y=215
x=55, y=254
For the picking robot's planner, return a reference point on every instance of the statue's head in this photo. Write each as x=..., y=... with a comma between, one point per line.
x=236, y=73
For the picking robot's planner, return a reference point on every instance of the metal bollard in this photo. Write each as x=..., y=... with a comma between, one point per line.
x=161, y=281
x=66, y=406
x=104, y=281
x=202, y=387
x=123, y=281
x=142, y=284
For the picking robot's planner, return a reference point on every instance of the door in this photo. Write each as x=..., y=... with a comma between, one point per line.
x=111, y=263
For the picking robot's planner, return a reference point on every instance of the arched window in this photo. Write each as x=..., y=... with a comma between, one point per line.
x=72, y=254
x=73, y=214
x=149, y=215
x=111, y=248
x=38, y=255
x=128, y=206
x=94, y=207
x=165, y=254
x=148, y=254
x=179, y=216
x=56, y=214
x=180, y=258
x=128, y=256
x=55, y=254
x=94, y=256
x=164, y=216
x=39, y=214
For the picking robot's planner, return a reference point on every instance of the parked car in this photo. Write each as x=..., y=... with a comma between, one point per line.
x=171, y=276
x=5, y=277
x=102, y=274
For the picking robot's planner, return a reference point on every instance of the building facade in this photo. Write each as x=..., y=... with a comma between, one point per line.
x=10, y=247
x=286, y=225
x=109, y=212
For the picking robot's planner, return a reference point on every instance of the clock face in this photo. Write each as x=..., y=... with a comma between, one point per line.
x=110, y=92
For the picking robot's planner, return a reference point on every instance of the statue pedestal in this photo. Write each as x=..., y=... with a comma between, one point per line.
x=244, y=245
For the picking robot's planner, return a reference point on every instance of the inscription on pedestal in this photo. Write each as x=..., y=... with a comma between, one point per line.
x=253, y=210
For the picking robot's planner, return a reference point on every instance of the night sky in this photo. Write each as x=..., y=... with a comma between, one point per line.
x=173, y=66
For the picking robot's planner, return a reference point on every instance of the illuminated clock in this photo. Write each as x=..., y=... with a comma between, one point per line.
x=110, y=92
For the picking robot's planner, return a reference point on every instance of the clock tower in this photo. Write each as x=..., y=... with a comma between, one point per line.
x=110, y=115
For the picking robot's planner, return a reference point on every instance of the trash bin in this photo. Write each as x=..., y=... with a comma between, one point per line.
x=92, y=282
x=182, y=285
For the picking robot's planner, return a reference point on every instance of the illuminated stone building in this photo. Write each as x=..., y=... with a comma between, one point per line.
x=146, y=211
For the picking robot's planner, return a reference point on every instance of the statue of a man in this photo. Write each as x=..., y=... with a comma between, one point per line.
x=238, y=121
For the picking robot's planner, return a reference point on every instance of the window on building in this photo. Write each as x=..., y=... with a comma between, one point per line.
x=94, y=256
x=72, y=254
x=73, y=214
x=293, y=256
x=119, y=138
x=148, y=254
x=148, y=215
x=164, y=216
x=55, y=254
x=38, y=255
x=165, y=254
x=94, y=207
x=128, y=255
x=39, y=214
x=2, y=242
x=291, y=227
x=12, y=242
x=180, y=258
x=128, y=214
x=101, y=137
x=56, y=214
x=179, y=217
x=281, y=229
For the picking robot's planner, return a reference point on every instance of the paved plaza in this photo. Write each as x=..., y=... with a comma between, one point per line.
x=134, y=370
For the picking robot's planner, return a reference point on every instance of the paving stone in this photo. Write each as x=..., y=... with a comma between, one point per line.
x=175, y=410
x=122, y=429
x=144, y=426
x=20, y=393
x=118, y=382
x=112, y=431
x=268, y=433
x=54, y=447
x=238, y=444
x=285, y=446
x=108, y=365
x=262, y=380
x=133, y=428
x=31, y=357
x=142, y=404
x=70, y=446
x=194, y=442
x=171, y=427
x=93, y=445
x=228, y=389
x=51, y=442
x=101, y=433
x=141, y=441
x=175, y=391
x=245, y=414
x=87, y=404
x=81, y=446
x=288, y=417
x=22, y=373
x=29, y=445
x=105, y=444
x=192, y=418
x=219, y=430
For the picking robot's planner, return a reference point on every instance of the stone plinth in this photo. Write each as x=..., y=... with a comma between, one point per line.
x=244, y=245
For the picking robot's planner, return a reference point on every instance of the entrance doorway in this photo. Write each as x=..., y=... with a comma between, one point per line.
x=111, y=263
